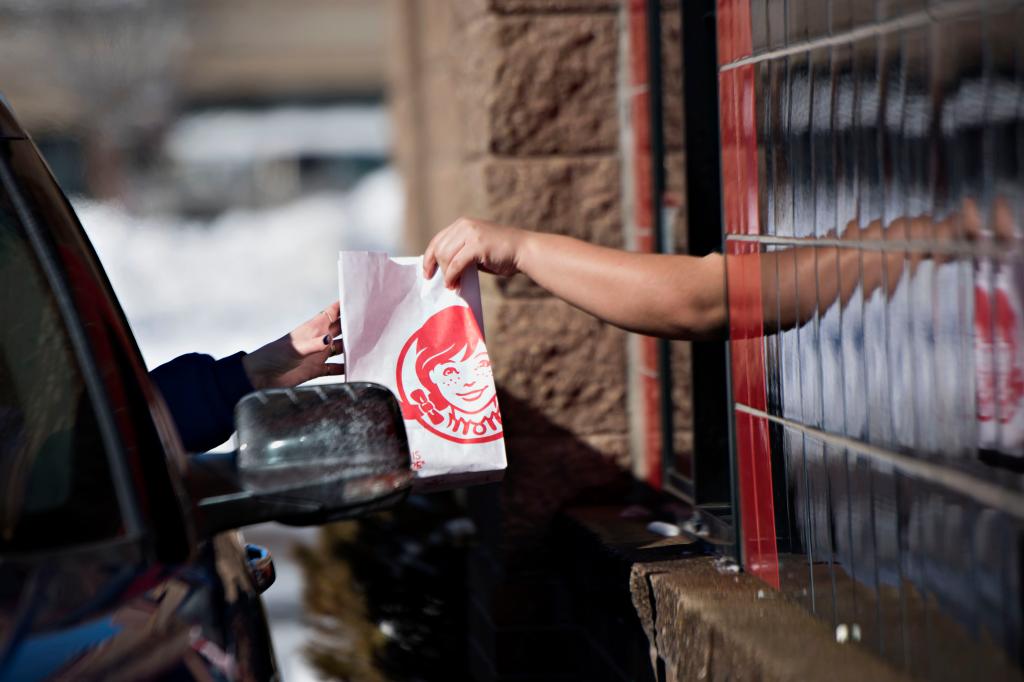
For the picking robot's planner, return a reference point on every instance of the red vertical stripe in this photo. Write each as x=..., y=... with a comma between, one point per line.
x=747, y=489
x=757, y=509
x=743, y=41
x=742, y=172
x=765, y=564
x=728, y=134
x=723, y=17
x=758, y=527
x=643, y=222
x=737, y=100
x=747, y=122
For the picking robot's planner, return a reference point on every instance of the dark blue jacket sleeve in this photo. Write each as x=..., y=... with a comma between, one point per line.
x=201, y=393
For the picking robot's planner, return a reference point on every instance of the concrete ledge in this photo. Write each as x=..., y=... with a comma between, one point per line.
x=704, y=625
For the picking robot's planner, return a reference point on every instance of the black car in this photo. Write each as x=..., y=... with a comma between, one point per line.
x=118, y=558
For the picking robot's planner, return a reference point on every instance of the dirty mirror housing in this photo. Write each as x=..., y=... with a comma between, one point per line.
x=306, y=456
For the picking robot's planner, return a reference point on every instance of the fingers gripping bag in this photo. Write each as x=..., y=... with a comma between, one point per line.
x=426, y=343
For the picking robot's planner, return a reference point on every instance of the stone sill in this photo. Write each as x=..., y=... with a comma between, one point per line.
x=708, y=626
x=705, y=625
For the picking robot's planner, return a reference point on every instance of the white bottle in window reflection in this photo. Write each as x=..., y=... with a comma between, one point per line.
x=999, y=357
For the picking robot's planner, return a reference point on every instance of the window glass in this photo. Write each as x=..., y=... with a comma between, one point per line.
x=55, y=482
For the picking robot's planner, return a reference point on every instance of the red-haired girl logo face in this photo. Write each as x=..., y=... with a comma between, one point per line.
x=445, y=381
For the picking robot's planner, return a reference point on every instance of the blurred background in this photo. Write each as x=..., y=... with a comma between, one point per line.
x=218, y=151
x=219, y=154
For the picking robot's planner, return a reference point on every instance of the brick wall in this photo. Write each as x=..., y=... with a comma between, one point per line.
x=518, y=111
x=508, y=110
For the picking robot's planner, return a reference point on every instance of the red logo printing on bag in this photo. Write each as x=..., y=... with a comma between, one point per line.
x=445, y=381
x=1000, y=378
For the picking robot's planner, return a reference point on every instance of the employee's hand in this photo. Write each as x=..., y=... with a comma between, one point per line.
x=494, y=248
x=299, y=356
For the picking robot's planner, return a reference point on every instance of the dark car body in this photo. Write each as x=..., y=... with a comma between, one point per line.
x=102, y=573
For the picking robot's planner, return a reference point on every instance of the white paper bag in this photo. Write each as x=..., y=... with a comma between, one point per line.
x=425, y=342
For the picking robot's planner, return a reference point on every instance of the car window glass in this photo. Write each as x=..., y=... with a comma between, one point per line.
x=148, y=447
x=55, y=483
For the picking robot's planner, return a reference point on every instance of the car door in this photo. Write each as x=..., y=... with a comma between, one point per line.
x=101, y=576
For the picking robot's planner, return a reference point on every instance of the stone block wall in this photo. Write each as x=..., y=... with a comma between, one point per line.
x=512, y=110
x=508, y=110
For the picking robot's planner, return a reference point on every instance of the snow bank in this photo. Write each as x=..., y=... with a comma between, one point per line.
x=243, y=278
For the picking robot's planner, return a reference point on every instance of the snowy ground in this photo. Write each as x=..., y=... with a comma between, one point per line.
x=232, y=284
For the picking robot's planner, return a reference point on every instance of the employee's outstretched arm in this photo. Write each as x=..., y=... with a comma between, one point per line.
x=663, y=295
x=683, y=297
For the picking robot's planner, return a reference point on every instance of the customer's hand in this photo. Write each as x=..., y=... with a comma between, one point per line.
x=494, y=248
x=299, y=356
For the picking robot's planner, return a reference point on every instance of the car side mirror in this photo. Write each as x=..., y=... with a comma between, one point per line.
x=306, y=456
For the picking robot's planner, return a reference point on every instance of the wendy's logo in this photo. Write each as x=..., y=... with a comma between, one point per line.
x=1000, y=376
x=445, y=381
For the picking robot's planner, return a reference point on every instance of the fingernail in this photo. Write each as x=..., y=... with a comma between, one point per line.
x=327, y=339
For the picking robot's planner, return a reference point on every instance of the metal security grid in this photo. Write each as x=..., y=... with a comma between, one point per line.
x=873, y=176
